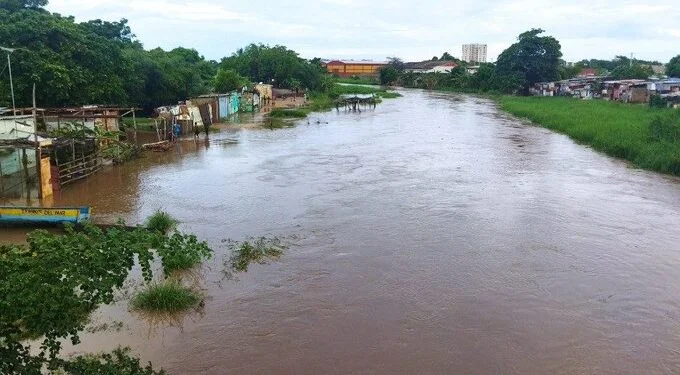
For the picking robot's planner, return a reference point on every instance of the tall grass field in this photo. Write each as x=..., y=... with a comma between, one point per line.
x=647, y=137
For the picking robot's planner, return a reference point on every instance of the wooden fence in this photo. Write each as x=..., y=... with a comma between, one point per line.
x=80, y=168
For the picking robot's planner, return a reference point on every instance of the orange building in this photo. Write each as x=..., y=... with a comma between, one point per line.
x=350, y=68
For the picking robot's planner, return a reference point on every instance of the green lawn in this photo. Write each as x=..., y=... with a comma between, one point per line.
x=649, y=138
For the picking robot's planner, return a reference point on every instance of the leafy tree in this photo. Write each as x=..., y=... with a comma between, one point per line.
x=673, y=67
x=228, y=80
x=278, y=64
x=447, y=56
x=533, y=58
x=396, y=63
x=435, y=58
x=632, y=71
x=388, y=74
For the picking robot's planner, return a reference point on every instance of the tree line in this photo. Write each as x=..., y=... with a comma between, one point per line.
x=101, y=62
x=533, y=58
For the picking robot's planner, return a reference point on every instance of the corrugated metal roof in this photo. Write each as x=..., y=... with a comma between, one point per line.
x=357, y=62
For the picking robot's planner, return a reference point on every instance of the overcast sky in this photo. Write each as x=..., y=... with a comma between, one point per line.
x=412, y=30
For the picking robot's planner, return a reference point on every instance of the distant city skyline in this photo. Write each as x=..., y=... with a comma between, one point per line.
x=474, y=53
x=352, y=29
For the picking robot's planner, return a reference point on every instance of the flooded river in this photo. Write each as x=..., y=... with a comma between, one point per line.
x=431, y=235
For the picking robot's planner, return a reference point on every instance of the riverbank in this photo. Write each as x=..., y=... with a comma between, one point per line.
x=647, y=137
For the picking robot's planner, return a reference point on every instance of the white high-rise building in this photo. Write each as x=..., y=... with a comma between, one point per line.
x=474, y=53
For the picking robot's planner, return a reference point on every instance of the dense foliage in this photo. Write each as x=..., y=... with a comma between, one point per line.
x=228, y=80
x=49, y=288
x=277, y=65
x=94, y=62
x=533, y=58
x=673, y=67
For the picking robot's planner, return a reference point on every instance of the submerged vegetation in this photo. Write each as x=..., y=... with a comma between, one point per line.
x=49, y=288
x=181, y=252
x=117, y=362
x=166, y=297
x=253, y=250
x=648, y=137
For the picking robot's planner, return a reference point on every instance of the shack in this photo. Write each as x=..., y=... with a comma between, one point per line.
x=620, y=89
x=354, y=102
x=24, y=173
x=266, y=93
x=224, y=105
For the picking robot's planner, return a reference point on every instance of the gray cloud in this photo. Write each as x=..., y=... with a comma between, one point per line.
x=408, y=29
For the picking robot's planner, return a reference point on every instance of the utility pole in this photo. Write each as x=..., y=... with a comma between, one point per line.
x=38, y=157
x=11, y=85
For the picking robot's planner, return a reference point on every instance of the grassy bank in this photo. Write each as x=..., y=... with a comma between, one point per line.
x=649, y=138
x=357, y=80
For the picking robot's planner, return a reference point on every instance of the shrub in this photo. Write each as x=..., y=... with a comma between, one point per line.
x=161, y=221
x=656, y=101
x=166, y=297
x=182, y=252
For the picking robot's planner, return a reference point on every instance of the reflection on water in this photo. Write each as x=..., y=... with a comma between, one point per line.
x=435, y=235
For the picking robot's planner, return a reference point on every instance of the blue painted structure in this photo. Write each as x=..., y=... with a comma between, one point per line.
x=37, y=216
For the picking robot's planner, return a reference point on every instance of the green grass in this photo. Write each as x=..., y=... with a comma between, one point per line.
x=161, y=221
x=358, y=80
x=647, y=137
x=166, y=297
x=287, y=113
x=254, y=250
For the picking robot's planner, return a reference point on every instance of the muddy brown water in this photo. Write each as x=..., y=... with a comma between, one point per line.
x=431, y=235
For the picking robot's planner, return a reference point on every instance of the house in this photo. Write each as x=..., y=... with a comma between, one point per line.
x=446, y=67
x=638, y=93
x=266, y=93
x=348, y=68
x=620, y=89
x=90, y=116
x=15, y=127
x=665, y=86
x=472, y=69
x=587, y=72
x=224, y=105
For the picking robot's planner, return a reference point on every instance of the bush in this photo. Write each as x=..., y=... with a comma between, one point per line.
x=182, y=252
x=167, y=297
x=119, y=362
x=656, y=101
x=161, y=221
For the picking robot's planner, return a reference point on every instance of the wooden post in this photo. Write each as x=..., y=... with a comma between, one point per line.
x=2, y=181
x=24, y=161
x=38, y=171
x=134, y=123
